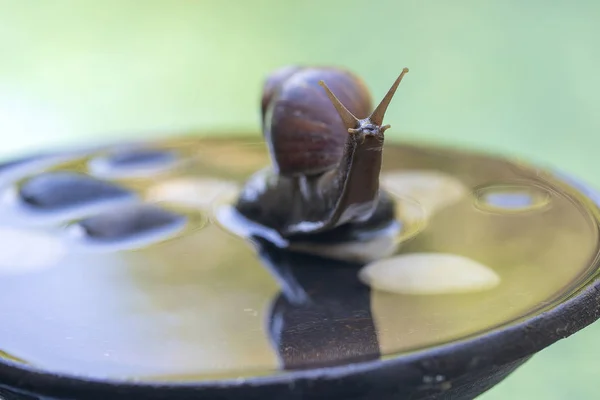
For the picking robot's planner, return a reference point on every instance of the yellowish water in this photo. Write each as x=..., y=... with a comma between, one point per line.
x=196, y=302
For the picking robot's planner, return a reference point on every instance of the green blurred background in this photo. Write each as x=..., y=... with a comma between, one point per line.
x=510, y=77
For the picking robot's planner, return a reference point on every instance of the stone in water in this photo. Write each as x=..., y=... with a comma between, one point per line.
x=429, y=273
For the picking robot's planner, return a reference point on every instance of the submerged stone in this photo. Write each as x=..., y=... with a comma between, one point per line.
x=429, y=273
x=130, y=222
x=55, y=191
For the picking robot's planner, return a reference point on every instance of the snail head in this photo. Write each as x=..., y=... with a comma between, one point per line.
x=372, y=125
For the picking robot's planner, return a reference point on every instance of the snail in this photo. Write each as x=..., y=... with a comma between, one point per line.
x=325, y=143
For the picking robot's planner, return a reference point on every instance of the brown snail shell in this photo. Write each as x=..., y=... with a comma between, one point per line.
x=301, y=125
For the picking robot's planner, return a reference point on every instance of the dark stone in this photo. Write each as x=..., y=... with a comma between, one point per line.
x=122, y=160
x=55, y=191
x=127, y=158
x=130, y=222
x=9, y=164
x=7, y=394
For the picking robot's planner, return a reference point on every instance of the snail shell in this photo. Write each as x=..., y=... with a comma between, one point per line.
x=305, y=133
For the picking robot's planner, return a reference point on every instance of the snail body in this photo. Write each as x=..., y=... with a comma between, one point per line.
x=326, y=153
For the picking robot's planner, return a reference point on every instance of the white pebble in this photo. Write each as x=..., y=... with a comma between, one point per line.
x=433, y=190
x=191, y=192
x=429, y=274
x=25, y=251
x=375, y=248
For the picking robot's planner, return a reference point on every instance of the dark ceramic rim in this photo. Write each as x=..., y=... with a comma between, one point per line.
x=419, y=370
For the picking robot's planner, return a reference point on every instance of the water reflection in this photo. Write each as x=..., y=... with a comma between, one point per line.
x=322, y=316
x=511, y=198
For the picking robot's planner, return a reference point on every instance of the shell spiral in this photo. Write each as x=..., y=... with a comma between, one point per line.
x=305, y=133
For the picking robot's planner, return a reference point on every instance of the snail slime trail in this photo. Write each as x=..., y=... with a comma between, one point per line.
x=325, y=143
